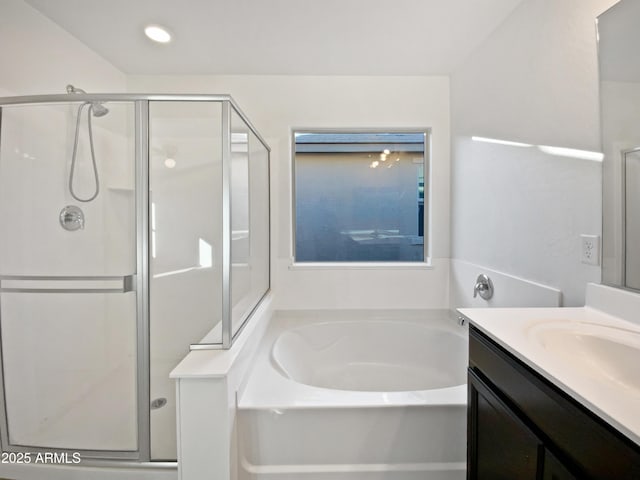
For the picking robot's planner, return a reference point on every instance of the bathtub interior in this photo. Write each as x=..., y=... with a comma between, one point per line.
x=379, y=355
x=289, y=429
x=280, y=379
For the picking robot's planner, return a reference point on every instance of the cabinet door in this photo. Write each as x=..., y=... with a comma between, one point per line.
x=500, y=445
x=581, y=441
x=554, y=469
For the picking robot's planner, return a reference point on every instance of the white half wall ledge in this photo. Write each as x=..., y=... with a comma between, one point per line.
x=206, y=386
x=509, y=290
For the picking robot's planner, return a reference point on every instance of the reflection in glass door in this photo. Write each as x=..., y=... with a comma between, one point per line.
x=631, y=223
x=68, y=264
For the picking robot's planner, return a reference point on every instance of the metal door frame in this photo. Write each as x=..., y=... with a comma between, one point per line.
x=140, y=281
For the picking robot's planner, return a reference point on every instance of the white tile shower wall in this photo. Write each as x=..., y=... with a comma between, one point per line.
x=509, y=291
x=36, y=162
x=520, y=211
x=276, y=104
x=49, y=394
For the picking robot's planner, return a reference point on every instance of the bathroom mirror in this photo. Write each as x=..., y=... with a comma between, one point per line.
x=618, y=38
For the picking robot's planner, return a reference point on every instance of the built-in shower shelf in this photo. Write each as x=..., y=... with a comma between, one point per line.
x=122, y=189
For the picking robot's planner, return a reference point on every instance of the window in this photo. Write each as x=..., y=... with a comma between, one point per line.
x=359, y=196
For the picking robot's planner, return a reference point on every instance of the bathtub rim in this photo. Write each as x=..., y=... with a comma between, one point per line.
x=266, y=388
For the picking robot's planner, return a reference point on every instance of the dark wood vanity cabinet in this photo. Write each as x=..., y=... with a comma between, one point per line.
x=521, y=427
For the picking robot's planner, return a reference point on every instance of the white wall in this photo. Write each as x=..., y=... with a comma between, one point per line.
x=519, y=210
x=37, y=56
x=276, y=104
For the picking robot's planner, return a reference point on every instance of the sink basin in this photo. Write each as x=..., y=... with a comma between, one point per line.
x=607, y=353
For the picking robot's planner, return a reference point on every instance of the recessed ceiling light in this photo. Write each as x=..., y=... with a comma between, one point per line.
x=169, y=163
x=157, y=33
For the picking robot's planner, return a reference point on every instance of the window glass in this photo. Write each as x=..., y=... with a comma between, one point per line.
x=359, y=197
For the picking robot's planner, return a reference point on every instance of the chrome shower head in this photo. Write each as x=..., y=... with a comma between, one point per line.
x=98, y=109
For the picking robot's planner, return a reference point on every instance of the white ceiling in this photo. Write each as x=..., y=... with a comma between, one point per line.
x=303, y=37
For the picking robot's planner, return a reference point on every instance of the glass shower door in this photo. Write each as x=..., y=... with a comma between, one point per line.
x=185, y=261
x=67, y=272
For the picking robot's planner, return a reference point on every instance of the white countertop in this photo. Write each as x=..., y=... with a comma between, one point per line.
x=577, y=362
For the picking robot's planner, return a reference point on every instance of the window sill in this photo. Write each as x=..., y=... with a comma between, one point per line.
x=427, y=265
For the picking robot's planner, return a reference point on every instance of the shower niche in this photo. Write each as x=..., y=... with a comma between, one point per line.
x=170, y=254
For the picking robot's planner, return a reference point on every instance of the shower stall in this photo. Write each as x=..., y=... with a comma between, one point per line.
x=134, y=228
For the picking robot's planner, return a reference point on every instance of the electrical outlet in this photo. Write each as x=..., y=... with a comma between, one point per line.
x=590, y=249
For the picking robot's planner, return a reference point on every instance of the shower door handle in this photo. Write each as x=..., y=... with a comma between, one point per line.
x=67, y=284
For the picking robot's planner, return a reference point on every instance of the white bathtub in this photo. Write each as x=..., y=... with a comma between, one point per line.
x=354, y=396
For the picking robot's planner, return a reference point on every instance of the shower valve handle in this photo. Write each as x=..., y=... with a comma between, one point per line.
x=484, y=287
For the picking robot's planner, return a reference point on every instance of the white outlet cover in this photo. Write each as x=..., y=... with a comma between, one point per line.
x=590, y=249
